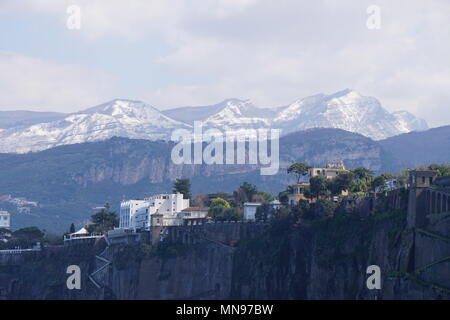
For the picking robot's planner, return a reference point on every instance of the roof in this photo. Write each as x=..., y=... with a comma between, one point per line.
x=424, y=172
x=249, y=204
x=193, y=209
x=81, y=231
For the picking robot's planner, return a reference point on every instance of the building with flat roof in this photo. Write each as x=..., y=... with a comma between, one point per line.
x=137, y=214
x=5, y=220
x=331, y=170
x=250, y=210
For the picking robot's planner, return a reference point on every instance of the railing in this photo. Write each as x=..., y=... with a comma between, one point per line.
x=82, y=236
x=14, y=251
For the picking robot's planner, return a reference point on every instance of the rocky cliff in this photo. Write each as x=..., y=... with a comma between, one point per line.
x=290, y=258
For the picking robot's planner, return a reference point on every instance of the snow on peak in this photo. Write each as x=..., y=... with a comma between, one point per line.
x=408, y=122
x=346, y=109
x=123, y=118
x=237, y=113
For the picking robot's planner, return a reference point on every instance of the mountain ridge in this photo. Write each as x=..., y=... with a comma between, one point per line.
x=346, y=109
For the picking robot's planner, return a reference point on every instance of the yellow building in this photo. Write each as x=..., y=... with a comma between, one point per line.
x=298, y=193
x=332, y=170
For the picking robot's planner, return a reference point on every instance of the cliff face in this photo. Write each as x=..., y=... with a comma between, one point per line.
x=325, y=259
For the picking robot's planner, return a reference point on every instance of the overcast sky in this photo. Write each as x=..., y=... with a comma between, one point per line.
x=198, y=52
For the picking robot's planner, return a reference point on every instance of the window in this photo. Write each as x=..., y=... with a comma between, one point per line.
x=423, y=180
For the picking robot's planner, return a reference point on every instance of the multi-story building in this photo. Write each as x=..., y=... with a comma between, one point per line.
x=298, y=193
x=129, y=211
x=5, y=220
x=330, y=171
x=137, y=214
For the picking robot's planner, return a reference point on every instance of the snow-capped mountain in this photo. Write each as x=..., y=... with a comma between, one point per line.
x=237, y=114
x=408, y=122
x=123, y=118
x=347, y=110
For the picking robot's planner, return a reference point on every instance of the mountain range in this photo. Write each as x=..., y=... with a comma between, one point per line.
x=55, y=187
x=23, y=131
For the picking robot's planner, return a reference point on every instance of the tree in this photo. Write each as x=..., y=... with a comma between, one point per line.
x=264, y=212
x=283, y=196
x=219, y=202
x=29, y=232
x=378, y=183
x=402, y=178
x=245, y=193
x=200, y=200
x=26, y=237
x=318, y=186
x=72, y=228
x=182, y=186
x=226, y=214
x=442, y=169
x=362, y=180
x=103, y=221
x=299, y=169
x=266, y=197
x=249, y=189
x=362, y=173
x=217, y=207
x=342, y=182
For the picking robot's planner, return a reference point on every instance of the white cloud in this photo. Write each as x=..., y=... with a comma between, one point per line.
x=42, y=85
x=274, y=52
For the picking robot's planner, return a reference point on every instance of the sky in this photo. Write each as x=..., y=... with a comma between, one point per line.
x=172, y=53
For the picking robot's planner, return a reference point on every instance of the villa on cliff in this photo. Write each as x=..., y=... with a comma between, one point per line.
x=159, y=210
x=331, y=170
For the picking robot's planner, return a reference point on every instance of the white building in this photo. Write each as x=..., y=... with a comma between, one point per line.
x=194, y=216
x=275, y=204
x=129, y=210
x=5, y=219
x=250, y=210
x=137, y=214
x=194, y=212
